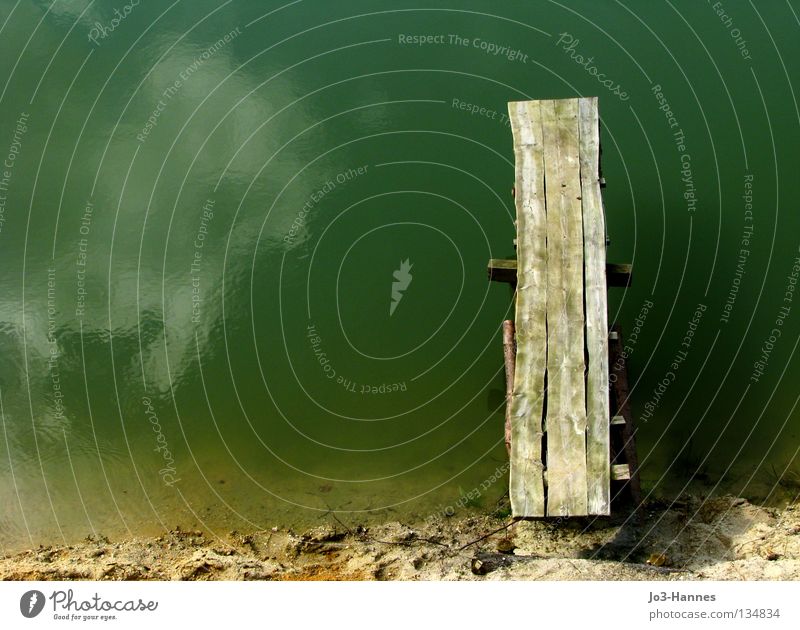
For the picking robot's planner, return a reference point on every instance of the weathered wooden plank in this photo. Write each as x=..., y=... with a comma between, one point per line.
x=505, y=270
x=526, y=483
x=565, y=422
x=598, y=452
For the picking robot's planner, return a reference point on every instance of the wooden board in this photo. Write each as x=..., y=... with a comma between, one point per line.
x=565, y=420
x=526, y=482
x=598, y=472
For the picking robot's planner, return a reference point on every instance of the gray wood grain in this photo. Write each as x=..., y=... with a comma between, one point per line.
x=598, y=472
x=565, y=421
x=526, y=483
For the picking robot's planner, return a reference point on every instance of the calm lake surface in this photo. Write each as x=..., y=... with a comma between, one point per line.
x=243, y=251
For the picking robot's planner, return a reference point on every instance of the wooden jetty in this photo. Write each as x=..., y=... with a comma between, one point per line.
x=559, y=413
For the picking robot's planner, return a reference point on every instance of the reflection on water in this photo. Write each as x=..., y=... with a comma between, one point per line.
x=244, y=246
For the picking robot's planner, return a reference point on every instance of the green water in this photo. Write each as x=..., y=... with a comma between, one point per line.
x=205, y=204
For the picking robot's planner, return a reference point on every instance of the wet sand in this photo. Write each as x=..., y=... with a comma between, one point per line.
x=723, y=538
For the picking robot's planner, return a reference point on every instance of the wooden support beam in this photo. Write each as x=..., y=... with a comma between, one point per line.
x=619, y=386
x=620, y=472
x=510, y=357
x=505, y=270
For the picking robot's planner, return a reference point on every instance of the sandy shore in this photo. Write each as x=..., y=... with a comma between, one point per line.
x=722, y=539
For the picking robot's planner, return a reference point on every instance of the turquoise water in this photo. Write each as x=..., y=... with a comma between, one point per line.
x=244, y=246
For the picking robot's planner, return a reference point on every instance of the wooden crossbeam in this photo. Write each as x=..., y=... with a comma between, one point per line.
x=625, y=447
x=505, y=270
